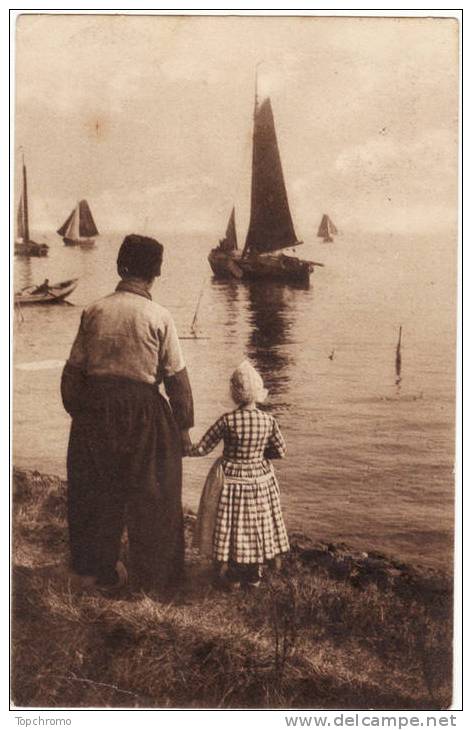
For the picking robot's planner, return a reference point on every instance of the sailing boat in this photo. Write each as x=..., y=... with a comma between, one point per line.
x=327, y=229
x=271, y=227
x=224, y=259
x=79, y=229
x=24, y=246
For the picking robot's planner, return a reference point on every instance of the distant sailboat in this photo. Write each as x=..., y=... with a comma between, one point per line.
x=194, y=327
x=327, y=229
x=24, y=246
x=270, y=227
x=79, y=229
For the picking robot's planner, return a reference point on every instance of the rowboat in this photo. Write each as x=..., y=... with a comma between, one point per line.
x=46, y=293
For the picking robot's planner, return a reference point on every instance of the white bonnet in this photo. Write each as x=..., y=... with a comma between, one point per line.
x=247, y=385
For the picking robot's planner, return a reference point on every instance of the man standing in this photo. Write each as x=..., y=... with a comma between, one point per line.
x=126, y=442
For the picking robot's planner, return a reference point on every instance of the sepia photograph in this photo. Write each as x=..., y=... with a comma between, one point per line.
x=234, y=253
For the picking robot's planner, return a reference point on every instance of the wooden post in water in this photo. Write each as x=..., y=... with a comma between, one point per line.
x=398, y=358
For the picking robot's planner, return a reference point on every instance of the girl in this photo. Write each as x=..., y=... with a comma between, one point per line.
x=248, y=528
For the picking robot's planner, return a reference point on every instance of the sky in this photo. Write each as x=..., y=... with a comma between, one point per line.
x=150, y=119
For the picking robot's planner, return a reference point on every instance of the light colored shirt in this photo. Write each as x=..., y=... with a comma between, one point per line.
x=126, y=334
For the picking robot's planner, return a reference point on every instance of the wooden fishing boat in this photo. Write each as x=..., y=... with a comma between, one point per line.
x=24, y=246
x=45, y=293
x=79, y=229
x=327, y=229
x=271, y=229
x=225, y=258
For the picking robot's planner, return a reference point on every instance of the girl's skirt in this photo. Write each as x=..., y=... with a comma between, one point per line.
x=249, y=524
x=208, y=510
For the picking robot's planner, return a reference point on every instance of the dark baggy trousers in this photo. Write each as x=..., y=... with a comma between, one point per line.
x=125, y=469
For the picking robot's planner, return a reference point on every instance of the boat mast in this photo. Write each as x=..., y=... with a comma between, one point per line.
x=25, y=204
x=193, y=326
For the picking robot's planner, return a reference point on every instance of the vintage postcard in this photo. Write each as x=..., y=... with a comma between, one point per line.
x=234, y=369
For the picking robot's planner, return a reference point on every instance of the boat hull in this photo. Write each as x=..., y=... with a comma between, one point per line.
x=224, y=264
x=84, y=242
x=31, y=248
x=271, y=267
x=56, y=293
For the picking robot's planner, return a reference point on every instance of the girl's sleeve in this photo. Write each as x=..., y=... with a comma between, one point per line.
x=212, y=437
x=276, y=447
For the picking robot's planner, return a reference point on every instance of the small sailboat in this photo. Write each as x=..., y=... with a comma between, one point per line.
x=327, y=229
x=271, y=227
x=24, y=246
x=194, y=327
x=79, y=229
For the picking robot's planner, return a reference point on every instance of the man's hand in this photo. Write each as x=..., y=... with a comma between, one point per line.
x=185, y=441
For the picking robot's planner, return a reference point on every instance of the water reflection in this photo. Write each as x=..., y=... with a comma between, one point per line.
x=271, y=316
x=230, y=293
x=25, y=273
x=264, y=313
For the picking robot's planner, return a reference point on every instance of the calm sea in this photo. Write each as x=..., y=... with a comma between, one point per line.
x=369, y=462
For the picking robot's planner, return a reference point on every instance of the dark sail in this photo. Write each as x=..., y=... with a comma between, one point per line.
x=20, y=220
x=63, y=229
x=230, y=241
x=326, y=228
x=84, y=227
x=87, y=225
x=270, y=227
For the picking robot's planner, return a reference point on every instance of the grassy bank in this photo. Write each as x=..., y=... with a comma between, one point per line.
x=335, y=629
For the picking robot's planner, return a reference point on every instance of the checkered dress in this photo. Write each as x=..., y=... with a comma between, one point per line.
x=249, y=525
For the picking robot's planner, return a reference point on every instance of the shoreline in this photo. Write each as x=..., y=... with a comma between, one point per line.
x=334, y=628
x=337, y=560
